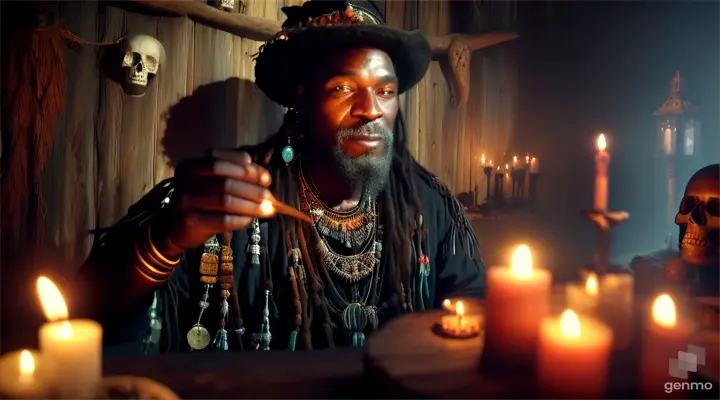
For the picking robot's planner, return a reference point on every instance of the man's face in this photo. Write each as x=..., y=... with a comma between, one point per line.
x=351, y=107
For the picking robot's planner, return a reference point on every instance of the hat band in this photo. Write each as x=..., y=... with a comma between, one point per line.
x=350, y=16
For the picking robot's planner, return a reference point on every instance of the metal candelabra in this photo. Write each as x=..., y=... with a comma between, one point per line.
x=487, y=170
x=604, y=221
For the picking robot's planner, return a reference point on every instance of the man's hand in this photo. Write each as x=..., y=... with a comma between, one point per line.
x=214, y=194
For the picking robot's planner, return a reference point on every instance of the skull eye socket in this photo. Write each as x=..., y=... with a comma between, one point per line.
x=688, y=204
x=713, y=206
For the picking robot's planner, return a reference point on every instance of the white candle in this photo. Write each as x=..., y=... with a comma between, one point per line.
x=517, y=300
x=602, y=162
x=70, y=350
x=18, y=376
x=583, y=298
x=573, y=357
x=482, y=159
x=663, y=338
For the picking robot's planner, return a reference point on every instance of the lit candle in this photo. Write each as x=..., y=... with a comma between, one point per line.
x=459, y=325
x=517, y=300
x=534, y=165
x=573, y=356
x=602, y=161
x=515, y=161
x=663, y=338
x=18, y=376
x=583, y=298
x=482, y=160
x=70, y=350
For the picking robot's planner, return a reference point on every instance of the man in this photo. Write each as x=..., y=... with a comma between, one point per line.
x=388, y=238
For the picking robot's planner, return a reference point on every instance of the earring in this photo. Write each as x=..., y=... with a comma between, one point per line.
x=288, y=152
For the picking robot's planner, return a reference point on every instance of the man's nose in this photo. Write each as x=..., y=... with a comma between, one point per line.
x=366, y=106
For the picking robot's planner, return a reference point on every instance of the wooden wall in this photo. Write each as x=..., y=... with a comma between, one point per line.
x=111, y=149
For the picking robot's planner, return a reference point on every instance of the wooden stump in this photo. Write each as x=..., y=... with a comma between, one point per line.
x=408, y=358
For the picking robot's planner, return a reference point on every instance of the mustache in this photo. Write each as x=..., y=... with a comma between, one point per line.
x=371, y=129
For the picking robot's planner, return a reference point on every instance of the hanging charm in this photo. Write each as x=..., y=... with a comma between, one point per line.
x=254, y=247
x=198, y=336
x=264, y=337
x=226, y=279
x=152, y=340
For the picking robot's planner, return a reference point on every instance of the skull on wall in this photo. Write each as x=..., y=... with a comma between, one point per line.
x=699, y=219
x=143, y=55
x=227, y=5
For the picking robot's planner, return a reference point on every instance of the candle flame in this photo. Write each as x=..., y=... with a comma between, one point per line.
x=514, y=159
x=27, y=363
x=482, y=159
x=266, y=207
x=54, y=306
x=532, y=160
x=52, y=300
x=447, y=305
x=601, y=142
x=460, y=308
x=570, y=324
x=591, y=285
x=663, y=311
x=490, y=162
x=507, y=166
x=521, y=263
x=527, y=159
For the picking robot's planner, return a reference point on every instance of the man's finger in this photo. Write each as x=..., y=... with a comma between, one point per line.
x=226, y=204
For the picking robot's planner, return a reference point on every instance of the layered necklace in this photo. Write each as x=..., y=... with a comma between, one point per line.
x=357, y=307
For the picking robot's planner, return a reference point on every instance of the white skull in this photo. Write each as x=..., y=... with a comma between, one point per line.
x=227, y=5
x=698, y=218
x=141, y=61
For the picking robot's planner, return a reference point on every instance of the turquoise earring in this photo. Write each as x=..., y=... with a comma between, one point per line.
x=288, y=153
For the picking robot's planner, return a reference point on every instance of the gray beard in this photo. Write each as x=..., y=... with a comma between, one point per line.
x=372, y=169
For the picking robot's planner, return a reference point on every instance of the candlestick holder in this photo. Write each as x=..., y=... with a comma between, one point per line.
x=487, y=171
x=604, y=222
x=498, y=193
x=519, y=183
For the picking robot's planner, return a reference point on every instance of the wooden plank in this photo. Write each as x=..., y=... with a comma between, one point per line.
x=112, y=99
x=176, y=35
x=78, y=174
x=138, y=134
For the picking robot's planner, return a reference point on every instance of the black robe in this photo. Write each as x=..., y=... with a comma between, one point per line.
x=456, y=270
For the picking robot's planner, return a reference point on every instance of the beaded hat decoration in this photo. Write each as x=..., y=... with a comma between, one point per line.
x=321, y=27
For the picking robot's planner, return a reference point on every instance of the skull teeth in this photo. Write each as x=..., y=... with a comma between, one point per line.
x=694, y=240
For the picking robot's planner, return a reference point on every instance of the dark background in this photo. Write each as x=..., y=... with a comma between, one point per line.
x=590, y=67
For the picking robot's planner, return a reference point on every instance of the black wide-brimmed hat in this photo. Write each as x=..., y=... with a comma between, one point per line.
x=320, y=27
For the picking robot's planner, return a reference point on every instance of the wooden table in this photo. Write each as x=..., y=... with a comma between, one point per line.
x=335, y=373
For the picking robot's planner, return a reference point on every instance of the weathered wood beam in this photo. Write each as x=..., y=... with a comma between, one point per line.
x=458, y=48
x=255, y=28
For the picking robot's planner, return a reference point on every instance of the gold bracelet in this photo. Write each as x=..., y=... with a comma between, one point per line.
x=156, y=253
x=147, y=270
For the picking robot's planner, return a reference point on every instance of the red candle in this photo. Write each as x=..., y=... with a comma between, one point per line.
x=573, y=357
x=664, y=337
x=602, y=162
x=517, y=300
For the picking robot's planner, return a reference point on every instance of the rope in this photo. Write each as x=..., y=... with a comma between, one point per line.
x=71, y=37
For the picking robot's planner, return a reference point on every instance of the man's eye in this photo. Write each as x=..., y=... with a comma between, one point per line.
x=341, y=89
x=387, y=92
